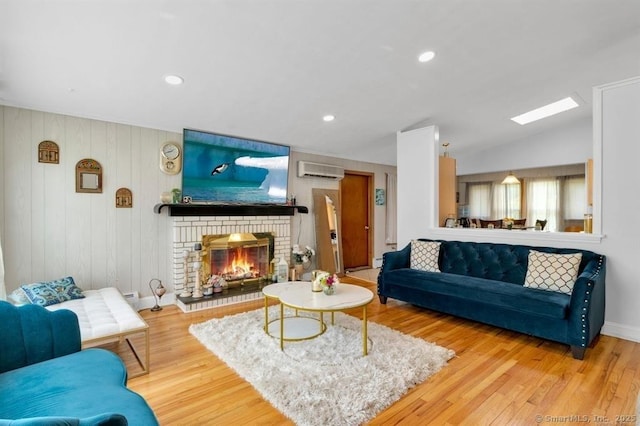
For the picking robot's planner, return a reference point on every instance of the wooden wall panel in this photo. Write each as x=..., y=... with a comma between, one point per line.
x=38, y=197
x=111, y=158
x=17, y=225
x=80, y=206
x=125, y=259
x=54, y=209
x=99, y=250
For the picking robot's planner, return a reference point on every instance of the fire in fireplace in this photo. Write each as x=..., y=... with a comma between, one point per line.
x=239, y=258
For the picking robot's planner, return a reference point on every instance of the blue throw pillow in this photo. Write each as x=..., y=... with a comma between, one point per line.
x=52, y=292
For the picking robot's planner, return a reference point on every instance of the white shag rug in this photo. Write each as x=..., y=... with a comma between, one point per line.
x=325, y=380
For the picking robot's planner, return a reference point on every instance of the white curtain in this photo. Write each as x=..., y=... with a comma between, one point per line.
x=574, y=197
x=506, y=201
x=479, y=196
x=391, y=228
x=3, y=290
x=543, y=202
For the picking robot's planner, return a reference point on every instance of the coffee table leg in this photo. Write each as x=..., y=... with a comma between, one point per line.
x=266, y=315
x=364, y=331
x=281, y=327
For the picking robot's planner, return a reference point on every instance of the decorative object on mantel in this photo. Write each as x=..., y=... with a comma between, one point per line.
x=48, y=152
x=158, y=292
x=166, y=197
x=88, y=176
x=124, y=198
x=177, y=195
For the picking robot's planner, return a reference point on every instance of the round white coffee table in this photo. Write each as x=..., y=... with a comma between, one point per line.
x=290, y=328
x=347, y=296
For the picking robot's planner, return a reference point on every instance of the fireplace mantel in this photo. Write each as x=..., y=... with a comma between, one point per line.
x=195, y=209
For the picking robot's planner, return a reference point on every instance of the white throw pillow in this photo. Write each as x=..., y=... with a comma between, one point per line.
x=424, y=255
x=552, y=272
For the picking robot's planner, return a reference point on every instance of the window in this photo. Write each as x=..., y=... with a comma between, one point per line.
x=543, y=201
x=479, y=195
x=558, y=199
x=489, y=200
x=574, y=197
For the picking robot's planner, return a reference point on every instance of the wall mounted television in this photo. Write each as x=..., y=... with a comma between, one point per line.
x=228, y=169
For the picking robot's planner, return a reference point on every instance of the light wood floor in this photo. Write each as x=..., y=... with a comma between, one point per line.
x=497, y=378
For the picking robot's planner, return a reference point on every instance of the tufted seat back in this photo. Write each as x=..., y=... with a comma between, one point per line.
x=30, y=334
x=500, y=262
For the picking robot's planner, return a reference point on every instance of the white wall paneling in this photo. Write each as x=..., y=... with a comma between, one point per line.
x=50, y=231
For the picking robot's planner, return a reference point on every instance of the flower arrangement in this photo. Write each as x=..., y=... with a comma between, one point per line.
x=329, y=280
x=302, y=255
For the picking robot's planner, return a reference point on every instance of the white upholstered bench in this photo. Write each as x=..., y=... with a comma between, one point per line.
x=105, y=316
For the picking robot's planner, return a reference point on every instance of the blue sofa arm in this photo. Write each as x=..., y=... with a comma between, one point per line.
x=392, y=260
x=32, y=334
x=586, y=309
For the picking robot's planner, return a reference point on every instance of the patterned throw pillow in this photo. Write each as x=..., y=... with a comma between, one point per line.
x=52, y=292
x=552, y=272
x=424, y=255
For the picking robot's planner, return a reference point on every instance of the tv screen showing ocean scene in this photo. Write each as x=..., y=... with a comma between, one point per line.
x=227, y=169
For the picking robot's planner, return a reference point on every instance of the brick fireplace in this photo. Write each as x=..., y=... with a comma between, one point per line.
x=191, y=230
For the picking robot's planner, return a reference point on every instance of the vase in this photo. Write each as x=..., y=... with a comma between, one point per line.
x=329, y=290
x=299, y=271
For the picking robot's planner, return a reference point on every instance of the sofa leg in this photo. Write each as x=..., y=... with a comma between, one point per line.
x=578, y=352
x=383, y=299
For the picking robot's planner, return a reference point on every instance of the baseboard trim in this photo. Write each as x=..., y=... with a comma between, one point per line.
x=621, y=331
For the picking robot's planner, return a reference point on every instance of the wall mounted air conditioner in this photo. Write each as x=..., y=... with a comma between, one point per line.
x=327, y=171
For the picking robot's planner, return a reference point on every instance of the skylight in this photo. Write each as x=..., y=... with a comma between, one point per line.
x=546, y=111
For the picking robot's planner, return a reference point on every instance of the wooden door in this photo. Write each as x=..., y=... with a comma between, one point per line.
x=356, y=195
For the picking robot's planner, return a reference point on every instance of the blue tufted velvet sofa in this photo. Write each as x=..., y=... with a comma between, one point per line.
x=46, y=379
x=484, y=282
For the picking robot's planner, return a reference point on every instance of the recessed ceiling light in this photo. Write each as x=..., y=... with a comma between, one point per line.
x=546, y=111
x=426, y=56
x=174, y=79
x=329, y=117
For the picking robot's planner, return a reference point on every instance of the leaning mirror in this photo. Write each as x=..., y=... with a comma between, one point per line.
x=326, y=208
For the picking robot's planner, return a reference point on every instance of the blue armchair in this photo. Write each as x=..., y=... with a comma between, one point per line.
x=45, y=377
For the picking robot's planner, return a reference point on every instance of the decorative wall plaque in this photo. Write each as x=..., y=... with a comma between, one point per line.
x=88, y=176
x=48, y=152
x=124, y=198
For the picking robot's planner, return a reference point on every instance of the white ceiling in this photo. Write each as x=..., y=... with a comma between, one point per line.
x=270, y=69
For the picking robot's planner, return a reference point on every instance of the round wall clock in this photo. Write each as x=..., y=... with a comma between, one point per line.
x=170, y=158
